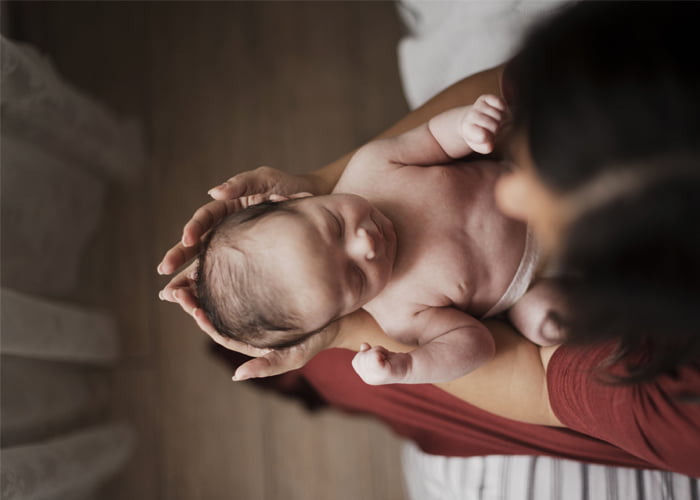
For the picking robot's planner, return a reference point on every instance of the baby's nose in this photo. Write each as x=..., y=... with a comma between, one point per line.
x=363, y=245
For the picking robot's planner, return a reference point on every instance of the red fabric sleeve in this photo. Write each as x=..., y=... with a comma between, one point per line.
x=442, y=424
x=654, y=421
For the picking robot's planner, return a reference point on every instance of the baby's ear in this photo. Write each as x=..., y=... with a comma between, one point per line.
x=280, y=197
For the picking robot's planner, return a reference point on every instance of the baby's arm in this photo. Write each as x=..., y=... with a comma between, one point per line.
x=540, y=314
x=450, y=135
x=451, y=344
x=460, y=131
x=447, y=136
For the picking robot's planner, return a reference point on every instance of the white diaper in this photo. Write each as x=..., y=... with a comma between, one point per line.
x=521, y=280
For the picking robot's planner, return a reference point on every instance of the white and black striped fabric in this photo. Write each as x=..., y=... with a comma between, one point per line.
x=498, y=477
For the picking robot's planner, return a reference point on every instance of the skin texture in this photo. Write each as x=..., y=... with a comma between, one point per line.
x=515, y=370
x=334, y=254
x=522, y=194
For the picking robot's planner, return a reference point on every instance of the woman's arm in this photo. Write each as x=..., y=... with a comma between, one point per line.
x=511, y=385
x=466, y=91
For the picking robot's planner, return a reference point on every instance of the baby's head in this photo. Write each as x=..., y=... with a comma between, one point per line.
x=275, y=273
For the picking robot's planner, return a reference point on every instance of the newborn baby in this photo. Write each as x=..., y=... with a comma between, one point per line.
x=419, y=245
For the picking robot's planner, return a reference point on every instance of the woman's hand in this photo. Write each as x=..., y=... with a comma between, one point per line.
x=262, y=181
x=237, y=193
x=267, y=362
x=278, y=361
x=240, y=191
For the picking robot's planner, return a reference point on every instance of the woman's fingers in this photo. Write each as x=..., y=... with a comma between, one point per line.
x=278, y=361
x=202, y=221
x=186, y=299
x=256, y=185
x=176, y=257
x=240, y=185
x=182, y=281
x=206, y=217
x=234, y=345
x=255, y=368
x=233, y=188
x=275, y=362
x=257, y=181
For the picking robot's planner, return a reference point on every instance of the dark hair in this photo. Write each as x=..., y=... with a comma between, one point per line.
x=237, y=300
x=605, y=88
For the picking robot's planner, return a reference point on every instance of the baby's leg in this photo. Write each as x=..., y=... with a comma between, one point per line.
x=539, y=314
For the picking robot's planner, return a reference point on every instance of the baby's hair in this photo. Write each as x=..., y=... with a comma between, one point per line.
x=232, y=287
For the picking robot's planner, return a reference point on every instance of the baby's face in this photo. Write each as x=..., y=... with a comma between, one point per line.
x=332, y=256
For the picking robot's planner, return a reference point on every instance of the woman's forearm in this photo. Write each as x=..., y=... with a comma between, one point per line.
x=466, y=91
x=511, y=385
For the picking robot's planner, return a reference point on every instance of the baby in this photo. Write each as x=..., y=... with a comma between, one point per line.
x=419, y=245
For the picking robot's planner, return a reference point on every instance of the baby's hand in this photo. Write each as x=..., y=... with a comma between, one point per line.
x=481, y=123
x=378, y=366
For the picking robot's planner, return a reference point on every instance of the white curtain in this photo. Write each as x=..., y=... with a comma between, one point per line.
x=60, y=149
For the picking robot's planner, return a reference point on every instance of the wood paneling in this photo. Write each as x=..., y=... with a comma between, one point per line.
x=221, y=87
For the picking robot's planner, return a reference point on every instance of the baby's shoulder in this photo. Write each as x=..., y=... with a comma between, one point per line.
x=399, y=304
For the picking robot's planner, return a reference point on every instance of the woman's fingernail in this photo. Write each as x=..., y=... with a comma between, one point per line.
x=217, y=188
x=161, y=295
x=175, y=294
x=160, y=268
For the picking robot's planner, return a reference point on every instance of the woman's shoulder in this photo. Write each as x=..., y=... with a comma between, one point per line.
x=658, y=420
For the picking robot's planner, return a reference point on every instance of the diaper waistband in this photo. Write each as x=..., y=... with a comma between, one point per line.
x=522, y=278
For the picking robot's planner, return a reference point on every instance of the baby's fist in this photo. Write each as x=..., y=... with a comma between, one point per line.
x=378, y=366
x=481, y=123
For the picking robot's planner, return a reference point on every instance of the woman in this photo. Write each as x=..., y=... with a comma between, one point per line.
x=606, y=121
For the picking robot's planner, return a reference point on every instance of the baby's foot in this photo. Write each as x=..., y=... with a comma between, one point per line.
x=481, y=123
x=377, y=366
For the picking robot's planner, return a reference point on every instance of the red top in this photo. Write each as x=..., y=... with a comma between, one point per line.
x=647, y=427
x=655, y=421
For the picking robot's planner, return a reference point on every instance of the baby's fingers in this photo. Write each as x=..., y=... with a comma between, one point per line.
x=490, y=104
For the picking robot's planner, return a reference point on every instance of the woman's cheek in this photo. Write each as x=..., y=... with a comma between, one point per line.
x=511, y=196
x=523, y=198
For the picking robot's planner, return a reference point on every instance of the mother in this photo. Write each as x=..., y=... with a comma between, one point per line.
x=606, y=138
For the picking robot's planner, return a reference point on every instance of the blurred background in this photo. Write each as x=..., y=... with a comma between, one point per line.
x=117, y=117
